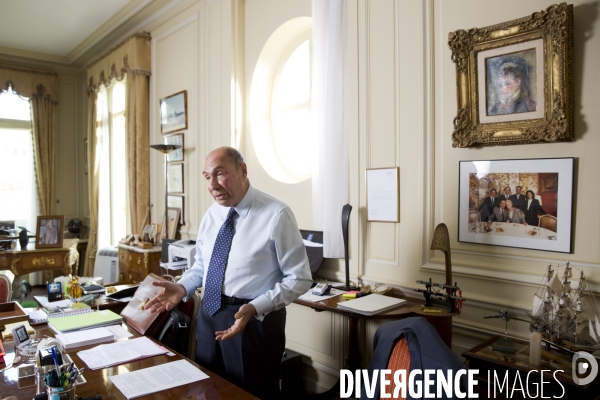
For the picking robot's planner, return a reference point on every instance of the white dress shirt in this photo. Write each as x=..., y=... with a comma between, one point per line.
x=267, y=261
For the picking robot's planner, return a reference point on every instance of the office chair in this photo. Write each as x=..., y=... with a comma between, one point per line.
x=410, y=344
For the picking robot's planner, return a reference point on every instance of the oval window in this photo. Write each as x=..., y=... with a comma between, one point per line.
x=280, y=111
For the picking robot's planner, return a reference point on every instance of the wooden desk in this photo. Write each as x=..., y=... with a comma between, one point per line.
x=442, y=323
x=98, y=381
x=21, y=262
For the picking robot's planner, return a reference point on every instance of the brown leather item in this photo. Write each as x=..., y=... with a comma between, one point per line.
x=143, y=320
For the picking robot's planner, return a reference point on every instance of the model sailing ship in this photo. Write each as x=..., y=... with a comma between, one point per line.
x=560, y=310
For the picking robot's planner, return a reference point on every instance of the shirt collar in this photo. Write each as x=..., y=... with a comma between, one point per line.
x=243, y=207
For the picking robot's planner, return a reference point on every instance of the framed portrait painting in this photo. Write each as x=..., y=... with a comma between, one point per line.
x=514, y=80
x=49, y=231
x=173, y=112
x=504, y=203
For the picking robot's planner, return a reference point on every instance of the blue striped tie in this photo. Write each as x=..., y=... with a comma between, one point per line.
x=216, y=267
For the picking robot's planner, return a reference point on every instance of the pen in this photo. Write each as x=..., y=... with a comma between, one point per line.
x=53, y=350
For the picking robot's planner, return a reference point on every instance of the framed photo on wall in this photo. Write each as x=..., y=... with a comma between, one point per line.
x=173, y=112
x=514, y=80
x=175, y=155
x=503, y=203
x=49, y=231
x=175, y=178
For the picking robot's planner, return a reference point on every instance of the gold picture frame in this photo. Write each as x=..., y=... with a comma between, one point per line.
x=533, y=54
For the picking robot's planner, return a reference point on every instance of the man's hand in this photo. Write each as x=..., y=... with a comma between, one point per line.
x=244, y=314
x=167, y=299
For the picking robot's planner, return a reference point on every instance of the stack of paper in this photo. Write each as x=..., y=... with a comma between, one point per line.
x=85, y=338
x=154, y=379
x=84, y=321
x=371, y=304
x=122, y=352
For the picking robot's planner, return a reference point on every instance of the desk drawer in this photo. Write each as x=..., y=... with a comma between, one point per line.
x=134, y=266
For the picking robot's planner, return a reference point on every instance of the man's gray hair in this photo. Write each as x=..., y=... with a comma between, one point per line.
x=234, y=156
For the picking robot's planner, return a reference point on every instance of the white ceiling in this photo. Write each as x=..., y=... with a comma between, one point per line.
x=60, y=30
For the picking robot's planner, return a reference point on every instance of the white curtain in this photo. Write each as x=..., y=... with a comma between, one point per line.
x=330, y=113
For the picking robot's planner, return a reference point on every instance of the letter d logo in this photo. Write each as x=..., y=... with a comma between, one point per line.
x=581, y=363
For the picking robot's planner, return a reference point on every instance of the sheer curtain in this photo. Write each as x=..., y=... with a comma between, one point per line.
x=330, y=113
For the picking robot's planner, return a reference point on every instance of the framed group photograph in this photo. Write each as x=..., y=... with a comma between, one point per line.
x=7, y=225
x=173, y=112
x=505, y=203
x=175, y=155
x=514, y=80
x=49, y=231
x=175, y=178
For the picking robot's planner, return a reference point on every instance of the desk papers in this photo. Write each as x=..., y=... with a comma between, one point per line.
x=154, y=379
x=107, y=355
x=84, y=338
x=371, y=304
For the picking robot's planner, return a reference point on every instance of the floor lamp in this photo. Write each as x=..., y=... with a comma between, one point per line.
x=166, y=149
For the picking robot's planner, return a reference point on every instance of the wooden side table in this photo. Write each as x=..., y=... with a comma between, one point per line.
x=136, y=263
x=486, y=360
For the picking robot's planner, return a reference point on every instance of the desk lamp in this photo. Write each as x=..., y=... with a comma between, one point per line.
x=345, y=221
x=166, y=149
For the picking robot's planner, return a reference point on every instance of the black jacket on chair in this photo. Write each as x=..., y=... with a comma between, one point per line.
x=427, y=351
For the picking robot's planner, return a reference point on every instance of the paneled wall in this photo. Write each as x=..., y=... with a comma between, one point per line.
x=402, y=103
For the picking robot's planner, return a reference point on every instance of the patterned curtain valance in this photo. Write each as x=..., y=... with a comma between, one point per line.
x=29, y=83
x=132, y=56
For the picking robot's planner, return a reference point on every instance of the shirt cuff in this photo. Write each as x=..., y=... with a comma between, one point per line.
x=263, y=306
x=189, y=286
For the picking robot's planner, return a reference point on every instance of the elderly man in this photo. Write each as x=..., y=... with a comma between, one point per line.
x=500, y=214
x=251, y=261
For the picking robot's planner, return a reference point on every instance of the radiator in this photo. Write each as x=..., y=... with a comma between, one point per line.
x=107, y=264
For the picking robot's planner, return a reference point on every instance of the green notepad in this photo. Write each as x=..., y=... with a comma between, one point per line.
x=84, y=321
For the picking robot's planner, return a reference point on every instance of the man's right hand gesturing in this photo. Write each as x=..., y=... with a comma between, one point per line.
x=171, y=294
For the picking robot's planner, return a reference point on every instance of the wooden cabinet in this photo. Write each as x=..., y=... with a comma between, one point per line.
x=135, y=264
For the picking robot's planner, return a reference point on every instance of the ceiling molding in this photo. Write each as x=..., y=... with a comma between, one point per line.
x=135, y=16
x=114, y=22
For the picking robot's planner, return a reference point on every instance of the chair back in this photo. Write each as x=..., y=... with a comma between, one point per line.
x=549, y=222
x=5, y=287
x=474, y=216
x=399, y=359
x=191, y=308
